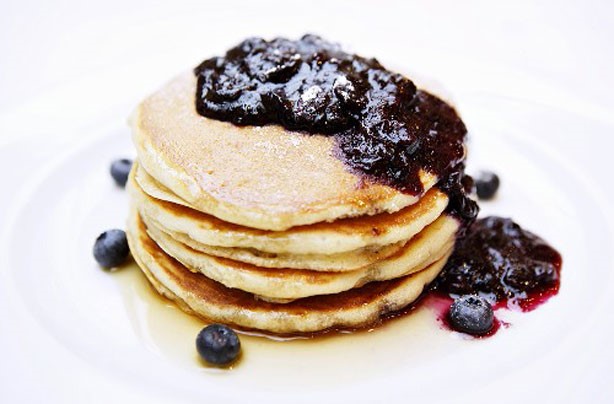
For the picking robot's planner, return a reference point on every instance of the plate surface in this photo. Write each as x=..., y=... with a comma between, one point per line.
x=100, y=335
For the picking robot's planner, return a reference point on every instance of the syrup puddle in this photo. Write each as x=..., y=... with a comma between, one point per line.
x=327, y=360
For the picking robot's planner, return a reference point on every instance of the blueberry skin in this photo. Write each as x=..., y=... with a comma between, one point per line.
x=111, y=248
x=119, y=171
x=471, y=314
x=486, y=184
x=218, y=345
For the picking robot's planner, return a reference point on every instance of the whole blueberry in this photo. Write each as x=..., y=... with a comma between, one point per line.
x=119, y=171
x=218, y=345
x=471, y=314
x=111, y=248
x=486, y=184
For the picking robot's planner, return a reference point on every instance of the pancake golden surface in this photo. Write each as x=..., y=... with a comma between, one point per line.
x=291, y=187
x=344, y=235
x=344, y=261
x=425, y=248
x=263, y=177
x=197, y=294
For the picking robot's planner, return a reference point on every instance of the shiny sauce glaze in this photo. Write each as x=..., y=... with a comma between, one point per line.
x=387, y=131
x=385, y=128
x=501, y=261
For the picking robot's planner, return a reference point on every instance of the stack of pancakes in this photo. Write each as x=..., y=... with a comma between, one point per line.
x=264, y=229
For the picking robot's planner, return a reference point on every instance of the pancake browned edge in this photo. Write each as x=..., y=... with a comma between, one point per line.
x=195, y=293
x=284, y=284
x=339, y=236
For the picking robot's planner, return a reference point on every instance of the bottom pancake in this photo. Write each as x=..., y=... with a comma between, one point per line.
x=197, y=294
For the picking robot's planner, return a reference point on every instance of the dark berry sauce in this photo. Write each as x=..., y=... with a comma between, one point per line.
x=385, y=128
x=501, y=261
x=387, y=131
x=458, y=186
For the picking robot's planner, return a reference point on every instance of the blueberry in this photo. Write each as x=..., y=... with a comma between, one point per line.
x=471, y=314
x=119, y=171
x=486, y=184
x=218, y=344
x=111, y=248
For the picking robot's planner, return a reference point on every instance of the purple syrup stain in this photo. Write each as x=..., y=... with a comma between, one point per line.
x=511, y=267
x=440, y=303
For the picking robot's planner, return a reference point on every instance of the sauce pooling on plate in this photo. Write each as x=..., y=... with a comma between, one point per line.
x=385, y=128
x=499, y=259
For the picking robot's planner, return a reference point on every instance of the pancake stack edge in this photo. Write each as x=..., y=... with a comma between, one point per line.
x=347, y=273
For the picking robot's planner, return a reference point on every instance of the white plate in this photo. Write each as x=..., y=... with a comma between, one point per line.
x=80, y=333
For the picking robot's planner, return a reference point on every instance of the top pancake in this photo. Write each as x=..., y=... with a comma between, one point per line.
x=262, y=177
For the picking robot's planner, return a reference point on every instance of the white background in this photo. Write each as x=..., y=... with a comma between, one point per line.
x=564, y=44
x=62, y=62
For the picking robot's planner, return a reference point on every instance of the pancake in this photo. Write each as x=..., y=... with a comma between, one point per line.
x=425, y=248
x=343, y=235
x=197, y=294
x=260, y=177
x=151, y=187
x=345, y=261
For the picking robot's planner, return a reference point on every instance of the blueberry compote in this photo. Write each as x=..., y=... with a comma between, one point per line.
x=501, y=261
x=385, y=128
x=388, y=131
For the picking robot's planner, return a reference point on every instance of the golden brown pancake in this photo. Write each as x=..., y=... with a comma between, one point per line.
x=337, y=262
x=286, y=284
x=259, y=177
x=265, y=228
x=197, y=294
x=344, y=235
